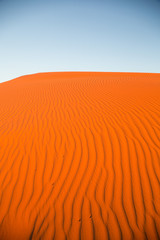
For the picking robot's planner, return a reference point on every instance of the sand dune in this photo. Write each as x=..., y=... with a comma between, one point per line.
x=80, y=156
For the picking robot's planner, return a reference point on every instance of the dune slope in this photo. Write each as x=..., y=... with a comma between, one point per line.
x=80, y=156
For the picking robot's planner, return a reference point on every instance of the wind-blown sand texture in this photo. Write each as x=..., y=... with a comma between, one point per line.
x=80, y=156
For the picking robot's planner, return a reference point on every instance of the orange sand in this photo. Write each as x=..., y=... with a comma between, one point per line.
x=80, y=156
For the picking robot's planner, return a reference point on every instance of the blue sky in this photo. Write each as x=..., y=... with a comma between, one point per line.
x=98, y=35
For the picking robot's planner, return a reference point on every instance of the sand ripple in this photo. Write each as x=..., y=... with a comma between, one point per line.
x=80, y=156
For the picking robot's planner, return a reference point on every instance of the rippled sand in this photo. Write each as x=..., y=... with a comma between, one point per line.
x=80, y=156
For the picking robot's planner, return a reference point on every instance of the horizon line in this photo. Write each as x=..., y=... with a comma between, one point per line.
x=114, y=72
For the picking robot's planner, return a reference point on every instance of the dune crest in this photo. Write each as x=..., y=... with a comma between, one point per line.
x=80, y=156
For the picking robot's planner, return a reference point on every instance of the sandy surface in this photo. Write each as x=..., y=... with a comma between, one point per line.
x=80, y=156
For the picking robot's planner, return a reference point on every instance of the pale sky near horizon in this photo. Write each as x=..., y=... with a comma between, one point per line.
x=87, y=35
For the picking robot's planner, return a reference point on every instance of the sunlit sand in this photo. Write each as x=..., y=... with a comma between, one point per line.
x=80, y=156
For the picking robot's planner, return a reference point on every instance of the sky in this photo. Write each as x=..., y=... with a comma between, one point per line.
x=78, y=35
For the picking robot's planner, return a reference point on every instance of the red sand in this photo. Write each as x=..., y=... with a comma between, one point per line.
x=80, y=156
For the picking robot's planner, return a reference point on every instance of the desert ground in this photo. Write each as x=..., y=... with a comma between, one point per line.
x=80, y=156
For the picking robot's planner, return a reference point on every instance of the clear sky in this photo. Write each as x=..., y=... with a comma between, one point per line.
x=87, y=35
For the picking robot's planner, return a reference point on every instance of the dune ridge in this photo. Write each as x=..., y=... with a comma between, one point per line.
x=80, y=156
